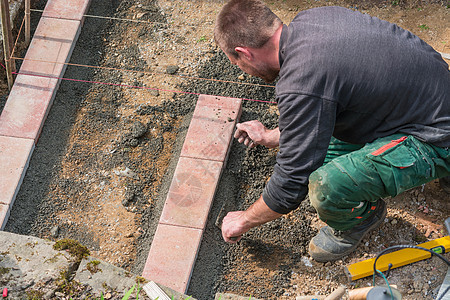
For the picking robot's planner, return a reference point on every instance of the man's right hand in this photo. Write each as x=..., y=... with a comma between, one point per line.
x=254, y=133
x=236, y=223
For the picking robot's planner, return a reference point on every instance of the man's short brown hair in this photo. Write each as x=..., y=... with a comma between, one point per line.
x=244, y=23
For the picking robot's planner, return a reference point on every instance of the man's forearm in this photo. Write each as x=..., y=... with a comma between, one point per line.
x=273, y=138
x=259, y=213
x=236, y=223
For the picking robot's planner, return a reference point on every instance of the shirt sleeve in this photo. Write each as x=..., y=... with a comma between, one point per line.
x=306, y=125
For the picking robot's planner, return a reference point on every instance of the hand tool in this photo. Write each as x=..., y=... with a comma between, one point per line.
x=399, y=258
x=444, y=292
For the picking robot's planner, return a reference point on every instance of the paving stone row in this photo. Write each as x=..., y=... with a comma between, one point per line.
x=205, y=150
x=32, y=94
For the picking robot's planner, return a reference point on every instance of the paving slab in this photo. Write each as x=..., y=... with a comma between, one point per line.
x=51, y=47
x=172, y=256
x=210, y=132
x=32, y=95
x=29, y=263
x=15, y=154
x=204, y=153
x=5, y=210
x=63, y=9
x=191, y=193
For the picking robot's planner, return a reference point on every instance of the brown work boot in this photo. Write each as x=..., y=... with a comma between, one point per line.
x=330, y=244
x=444, y=182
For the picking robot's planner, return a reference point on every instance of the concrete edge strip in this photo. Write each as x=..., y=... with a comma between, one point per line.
x=162, y=270
x=5, y=214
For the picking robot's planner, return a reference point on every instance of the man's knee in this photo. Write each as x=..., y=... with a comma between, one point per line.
x=334, y=191
x=318, y=190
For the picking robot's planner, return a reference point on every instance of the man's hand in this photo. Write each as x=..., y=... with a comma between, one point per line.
x=233, y=226
x=236, y=223
x=254, y=133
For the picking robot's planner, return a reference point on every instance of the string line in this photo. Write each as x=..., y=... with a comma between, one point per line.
x=144, y=72
x=125, y=70
x=127, y=86
x=184, y=76
x=127, y=20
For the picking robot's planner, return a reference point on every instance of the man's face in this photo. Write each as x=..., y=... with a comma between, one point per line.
x=255, y=68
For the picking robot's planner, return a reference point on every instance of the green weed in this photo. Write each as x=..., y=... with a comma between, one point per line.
x=424, y=27
x=201, y=39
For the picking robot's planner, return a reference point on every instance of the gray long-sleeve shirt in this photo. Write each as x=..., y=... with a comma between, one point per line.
x=357, y=78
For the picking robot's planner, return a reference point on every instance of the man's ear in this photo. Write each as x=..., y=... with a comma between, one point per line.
x=245, y=51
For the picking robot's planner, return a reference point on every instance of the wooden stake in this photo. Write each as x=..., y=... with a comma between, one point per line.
x=27, y=22
x=7, y=41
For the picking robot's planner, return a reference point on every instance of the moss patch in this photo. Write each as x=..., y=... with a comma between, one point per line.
x=141, y=280
x=34, y=295
x=92, y=266
x=73, y=247
x=4, y=270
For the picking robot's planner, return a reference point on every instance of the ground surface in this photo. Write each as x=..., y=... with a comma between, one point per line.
x=104, y=160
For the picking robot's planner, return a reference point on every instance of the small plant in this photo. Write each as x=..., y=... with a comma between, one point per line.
x=130, y=291
x=394, y=2
x=202, y=39
x=424, y=27
x=128, y=294
x=65, y=285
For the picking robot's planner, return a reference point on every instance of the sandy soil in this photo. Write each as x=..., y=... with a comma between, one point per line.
x=106, y=154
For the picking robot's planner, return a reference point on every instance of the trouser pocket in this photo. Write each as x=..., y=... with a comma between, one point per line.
x=404, y=163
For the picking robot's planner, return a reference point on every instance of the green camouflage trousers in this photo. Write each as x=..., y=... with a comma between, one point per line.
x=345, y=189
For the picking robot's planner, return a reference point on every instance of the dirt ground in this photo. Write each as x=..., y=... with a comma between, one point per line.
x=105, y=158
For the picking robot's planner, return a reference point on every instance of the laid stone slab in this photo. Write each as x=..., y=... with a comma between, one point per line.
x=31, y=264
x=172, y=256
x=191, y=193
x=211, y=129
x=101, y=276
